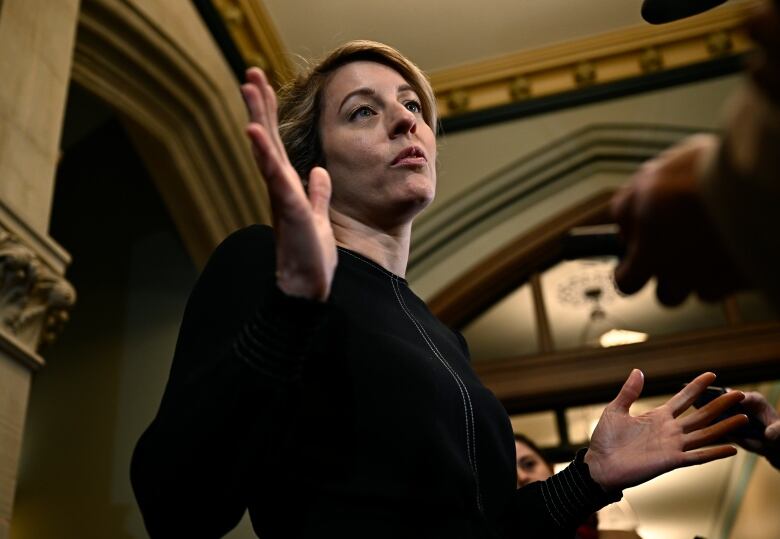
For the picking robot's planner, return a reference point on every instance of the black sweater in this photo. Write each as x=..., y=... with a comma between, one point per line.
x=359, y=417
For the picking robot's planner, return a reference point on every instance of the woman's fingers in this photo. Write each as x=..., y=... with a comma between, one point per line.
x=283, y=185
x=252, y=100
x=255, y=104
x=263, y=130
x=713, y=433
x=256, y=77
x=262, y=111
x=688, y=395
x=256, y=96
x=265, y=153
x=707, y=414
x=708, y=454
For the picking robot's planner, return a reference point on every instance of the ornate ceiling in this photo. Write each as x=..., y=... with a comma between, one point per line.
x=482, y=57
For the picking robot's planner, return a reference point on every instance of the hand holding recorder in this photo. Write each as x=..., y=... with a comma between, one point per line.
x=761, y=434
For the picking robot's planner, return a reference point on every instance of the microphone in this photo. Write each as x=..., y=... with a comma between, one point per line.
x=663, y=11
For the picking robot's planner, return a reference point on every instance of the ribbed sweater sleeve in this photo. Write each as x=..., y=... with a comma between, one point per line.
x=554, y=508
x=275, y=339
x=232, y=390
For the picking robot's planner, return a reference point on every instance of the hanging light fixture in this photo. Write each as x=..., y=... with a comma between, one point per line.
x=601, y=329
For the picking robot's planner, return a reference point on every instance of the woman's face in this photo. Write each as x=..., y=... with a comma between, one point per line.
x=380, y=153
x=530, y=466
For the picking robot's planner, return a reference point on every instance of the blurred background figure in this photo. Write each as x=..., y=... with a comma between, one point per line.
x=702, y=217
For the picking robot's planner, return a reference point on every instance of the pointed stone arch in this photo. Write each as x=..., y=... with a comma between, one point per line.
x=181, y=105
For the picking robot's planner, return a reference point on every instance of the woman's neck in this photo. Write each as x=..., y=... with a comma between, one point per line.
x=389, y=249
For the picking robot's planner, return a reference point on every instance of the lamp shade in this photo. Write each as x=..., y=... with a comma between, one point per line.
x=661, y=11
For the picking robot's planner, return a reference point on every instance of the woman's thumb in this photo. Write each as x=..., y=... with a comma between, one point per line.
x=319, y=190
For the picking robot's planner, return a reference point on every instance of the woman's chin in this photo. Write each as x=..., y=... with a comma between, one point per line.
x=420, y=191
x=413, y=203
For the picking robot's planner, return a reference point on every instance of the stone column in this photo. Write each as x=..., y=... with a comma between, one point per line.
x=36, y=51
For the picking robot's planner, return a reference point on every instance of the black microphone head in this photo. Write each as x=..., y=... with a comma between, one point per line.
x=661, y=11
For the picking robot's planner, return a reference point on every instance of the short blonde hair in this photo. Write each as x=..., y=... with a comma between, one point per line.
x=300, y=101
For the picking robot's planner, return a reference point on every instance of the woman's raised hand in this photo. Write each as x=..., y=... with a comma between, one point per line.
x=628, y=450
x=305, y=247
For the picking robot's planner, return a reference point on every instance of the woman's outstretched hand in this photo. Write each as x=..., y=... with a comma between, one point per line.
x=306, y=254
x=628, y=450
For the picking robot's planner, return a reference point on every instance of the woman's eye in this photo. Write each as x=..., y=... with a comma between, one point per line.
x=527, y=465
x=413, y=106
x=361, y=112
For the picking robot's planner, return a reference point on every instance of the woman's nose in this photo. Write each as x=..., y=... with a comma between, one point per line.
x=403, y=121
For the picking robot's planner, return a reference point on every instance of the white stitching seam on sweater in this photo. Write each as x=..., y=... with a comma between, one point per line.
x=471, y=450
x=464, y=392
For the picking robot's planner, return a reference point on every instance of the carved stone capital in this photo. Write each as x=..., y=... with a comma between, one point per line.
x=35, y=302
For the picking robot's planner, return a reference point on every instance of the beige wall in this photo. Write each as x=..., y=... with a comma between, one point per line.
x=36, y=50
x=36, y=47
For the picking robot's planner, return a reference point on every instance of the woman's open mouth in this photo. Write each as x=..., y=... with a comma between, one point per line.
x=413, y=156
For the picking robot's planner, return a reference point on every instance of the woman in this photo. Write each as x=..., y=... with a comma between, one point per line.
x=311, y=386
x=530, y=465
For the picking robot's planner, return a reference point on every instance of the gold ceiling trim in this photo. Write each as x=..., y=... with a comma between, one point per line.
x=605, y=58
x=256, y=37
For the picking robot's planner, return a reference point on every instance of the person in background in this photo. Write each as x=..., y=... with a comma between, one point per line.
x=531, y=465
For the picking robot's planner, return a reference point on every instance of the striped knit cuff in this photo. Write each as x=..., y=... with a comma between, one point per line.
x=571, y=495
x=277, y=339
